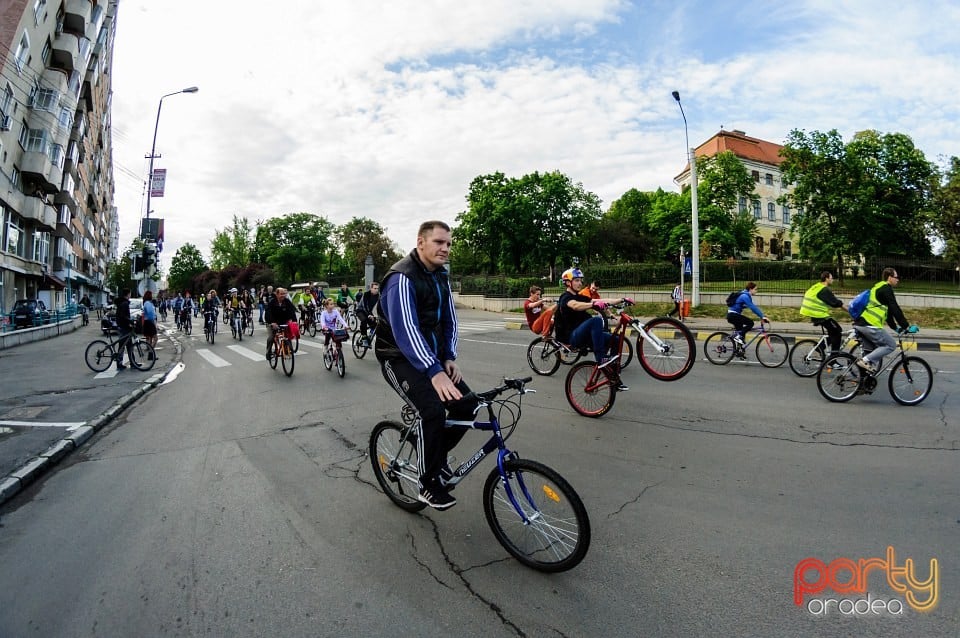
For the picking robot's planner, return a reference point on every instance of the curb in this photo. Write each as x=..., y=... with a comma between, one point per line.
x=788, y=335
x=30, y=471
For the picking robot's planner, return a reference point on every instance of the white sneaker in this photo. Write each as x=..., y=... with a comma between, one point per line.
x=866, y=365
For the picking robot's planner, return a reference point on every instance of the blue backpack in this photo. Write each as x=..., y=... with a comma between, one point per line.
x=859, y=303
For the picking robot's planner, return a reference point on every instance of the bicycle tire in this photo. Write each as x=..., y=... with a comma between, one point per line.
x=142, y=356
x=772, y=350
x=287, y=360
x=353, y=322
x=543, y=356
x=312, y=329
x=910, y=380
x=239, y=330
x=556, y=534
x=99, y=355
x=806, y=357
x=359, y=350
x=295, y=343
x=838, y=379
x=680, y=355
x=568, y=357
x=341, y=363
x=250, y=327
x=627, y=356
x=719, y=348
x=187, y=326
x=213, y=332
x=396, y=466
x=594, y=403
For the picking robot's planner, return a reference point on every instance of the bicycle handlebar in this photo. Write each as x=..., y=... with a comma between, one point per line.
x=508, y=384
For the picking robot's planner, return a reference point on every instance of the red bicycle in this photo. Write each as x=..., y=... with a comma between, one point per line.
x=665, y=348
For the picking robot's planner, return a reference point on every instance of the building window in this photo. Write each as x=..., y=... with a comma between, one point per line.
x=36, y=140
x=23, y=52
x=756, y=210
x=41, y=246
x=756, y=176
x=15, y=242
x=45, y=99
x=786, y=215
x=47, y=52
x=774, y=246
x=759, y=244
x=768, y=178
x=771, y=212
x=743, y=205
x=38, y=7
x=786, y=249
x=6, y=99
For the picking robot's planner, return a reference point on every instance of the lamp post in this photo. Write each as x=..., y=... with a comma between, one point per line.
x=695, y=276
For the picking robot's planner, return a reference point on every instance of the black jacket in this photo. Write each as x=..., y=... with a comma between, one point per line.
x=123, y=315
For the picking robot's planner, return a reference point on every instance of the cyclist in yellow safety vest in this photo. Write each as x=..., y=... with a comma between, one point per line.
x=817, y=302
x=882, y=308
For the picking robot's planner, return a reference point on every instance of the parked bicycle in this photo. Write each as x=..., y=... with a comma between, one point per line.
x=771, y=349
x=807, y=355
x=909, y=381
x=533, y=512
x=333, y=353
x=101, y=353
x=665, y=348
x=282, y=350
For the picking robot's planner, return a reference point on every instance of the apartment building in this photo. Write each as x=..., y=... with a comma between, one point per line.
x=59, y=222
x=762, y=161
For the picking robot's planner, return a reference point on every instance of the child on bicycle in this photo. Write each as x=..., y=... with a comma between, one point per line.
x=742, y=324
x=330, y=319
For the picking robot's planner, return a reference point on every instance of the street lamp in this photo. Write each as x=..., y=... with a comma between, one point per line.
x=695, y=275
x=153, y=148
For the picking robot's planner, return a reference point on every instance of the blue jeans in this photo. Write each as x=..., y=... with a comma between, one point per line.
x=592, y=331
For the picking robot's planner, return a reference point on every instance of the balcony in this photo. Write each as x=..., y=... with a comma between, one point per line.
x=66, y=52
x=67, y=198
x=36, y=209
x=76, y=16
x=39, y=171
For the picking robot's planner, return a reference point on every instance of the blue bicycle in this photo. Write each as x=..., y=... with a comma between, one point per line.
x=532, y=510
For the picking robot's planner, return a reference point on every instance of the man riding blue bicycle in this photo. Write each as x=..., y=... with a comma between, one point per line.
x=741, y=323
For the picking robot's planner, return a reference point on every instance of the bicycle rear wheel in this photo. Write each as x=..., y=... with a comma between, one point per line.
x=312, y=329
x=772, y=350
x=142, y=356
x=553, y=532
x=910, y=381
x=719, y=348
x=275, y=355
x=590, y=390
x=678, y=355
x=838, y=379
x=543, y=355
x=341, y=363
x=353, y=322
x=187, y=326
x=99, y=355
x=250, y=327
x=393, y=455
x=287, y=359
x=806, y=356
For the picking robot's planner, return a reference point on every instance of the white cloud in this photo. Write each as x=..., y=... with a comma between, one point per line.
x=389, y=109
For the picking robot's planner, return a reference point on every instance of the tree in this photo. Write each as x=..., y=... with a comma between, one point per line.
x=946, y=206
x=296, y=246
x=120, y=272
x=624, y=234
x=722, y=181
x=186, y=264
x=670, y=222
x=360, y=237
x=232, y=246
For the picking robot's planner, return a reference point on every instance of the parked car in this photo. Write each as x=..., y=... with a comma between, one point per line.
x=109, y=322
x=29, y=312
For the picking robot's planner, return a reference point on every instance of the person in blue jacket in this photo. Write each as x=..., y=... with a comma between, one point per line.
x=741, y=323
x=417, y=350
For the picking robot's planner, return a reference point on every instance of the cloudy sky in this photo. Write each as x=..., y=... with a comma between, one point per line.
x=388, y=109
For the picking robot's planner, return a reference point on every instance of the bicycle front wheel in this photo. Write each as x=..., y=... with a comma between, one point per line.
x=275, y=355
x=393, y=454
x=99, y=355
x=341, y=364
x=675, y=359
x=806, y=356
x=590, y=390
x=910, y=381
x=719, y=348
x=250, y=327
x=352, y=321
x=772, y=350
x=187, y=326
x=312, y=329
x=287, y=359
x=543, y=355
x=537, y=517
x=359, y=351
x=838, y=379
x=142, y=356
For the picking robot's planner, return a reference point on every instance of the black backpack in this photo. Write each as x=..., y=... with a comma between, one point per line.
x=732, y=297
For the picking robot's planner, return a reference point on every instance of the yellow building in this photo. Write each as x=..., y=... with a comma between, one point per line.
x=762, y=161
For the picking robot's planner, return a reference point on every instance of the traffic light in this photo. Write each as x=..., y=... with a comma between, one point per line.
x=137, y=264
x=149, y=256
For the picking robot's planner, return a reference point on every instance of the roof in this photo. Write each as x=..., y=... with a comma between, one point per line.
x=741, y=145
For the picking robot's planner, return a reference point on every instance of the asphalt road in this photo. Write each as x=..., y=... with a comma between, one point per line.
x=234, y=501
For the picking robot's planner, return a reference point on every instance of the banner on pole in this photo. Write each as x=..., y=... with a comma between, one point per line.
x=157, y=181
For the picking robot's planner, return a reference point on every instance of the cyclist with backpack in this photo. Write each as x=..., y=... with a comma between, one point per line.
x=736, y=303
x=881, y=307
x=817, y=302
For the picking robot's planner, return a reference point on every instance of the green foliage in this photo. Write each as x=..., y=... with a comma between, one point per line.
x=232, y=246
x=360, y=237
x=296, y=246
x=186, y=264
x=946, y=204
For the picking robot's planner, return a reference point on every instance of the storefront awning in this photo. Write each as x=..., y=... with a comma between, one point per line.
x=54, y=282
